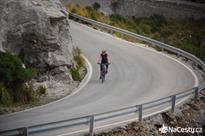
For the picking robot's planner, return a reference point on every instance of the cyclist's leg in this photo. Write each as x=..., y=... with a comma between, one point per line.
x=100, y=67
x=100, y=70
x=106, y=67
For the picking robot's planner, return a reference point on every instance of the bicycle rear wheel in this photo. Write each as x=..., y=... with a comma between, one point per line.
x=103, y=78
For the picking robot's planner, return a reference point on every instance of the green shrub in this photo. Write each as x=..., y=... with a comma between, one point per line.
x=157, y=21
x=96, y=6
x=116, y=18
x=75, y=74
x=145, y=29
x=14, y=77
x=189, y=47
x=11, y=70
x=156, y=36
x=5, y=97
x=41, y=90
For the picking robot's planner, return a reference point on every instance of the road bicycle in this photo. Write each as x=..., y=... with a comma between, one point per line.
x=103, y=72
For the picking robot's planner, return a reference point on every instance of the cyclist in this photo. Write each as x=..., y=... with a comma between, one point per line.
x=103, y=59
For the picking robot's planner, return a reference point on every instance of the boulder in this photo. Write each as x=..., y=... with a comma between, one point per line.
x=38, y=32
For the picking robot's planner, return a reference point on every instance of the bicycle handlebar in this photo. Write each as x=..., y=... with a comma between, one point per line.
x=104, y=63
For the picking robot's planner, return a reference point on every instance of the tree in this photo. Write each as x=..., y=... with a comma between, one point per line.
x=96, y=6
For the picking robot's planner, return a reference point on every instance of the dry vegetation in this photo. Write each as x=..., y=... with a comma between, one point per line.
x=187, y=34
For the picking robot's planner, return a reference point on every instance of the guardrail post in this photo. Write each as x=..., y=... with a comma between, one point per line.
x=140, y=112
x=195, y=65
x=173, y=102
x=109, y=31
x=178, y=55
x=91, y=130
x=196, y=93
x=25, y=131
x=122, y=35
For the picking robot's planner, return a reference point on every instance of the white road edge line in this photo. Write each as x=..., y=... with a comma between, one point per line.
x=83, y=83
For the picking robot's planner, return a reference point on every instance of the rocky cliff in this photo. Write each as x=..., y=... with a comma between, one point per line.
x=38, y=32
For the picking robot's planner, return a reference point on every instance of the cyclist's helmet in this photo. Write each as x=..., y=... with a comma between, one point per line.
x=103, y=51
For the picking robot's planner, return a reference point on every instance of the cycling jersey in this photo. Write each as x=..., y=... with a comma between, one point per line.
x=104, y=58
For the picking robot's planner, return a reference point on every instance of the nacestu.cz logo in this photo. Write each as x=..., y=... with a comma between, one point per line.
x=166, y=129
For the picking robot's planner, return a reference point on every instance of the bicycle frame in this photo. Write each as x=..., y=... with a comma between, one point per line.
x=103, y=72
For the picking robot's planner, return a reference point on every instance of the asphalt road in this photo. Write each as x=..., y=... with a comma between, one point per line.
x=136, y=75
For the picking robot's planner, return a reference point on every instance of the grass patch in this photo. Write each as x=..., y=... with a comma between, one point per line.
x=75, y=74
x=41, y=90
x=157, y=48
x=79, y=64
x=79, y=61
x=5, y=97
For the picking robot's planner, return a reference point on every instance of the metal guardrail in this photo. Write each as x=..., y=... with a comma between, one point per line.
x=139, y=110
x=90, y=121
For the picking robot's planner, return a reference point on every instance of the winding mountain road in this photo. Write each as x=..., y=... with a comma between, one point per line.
x=136, y=75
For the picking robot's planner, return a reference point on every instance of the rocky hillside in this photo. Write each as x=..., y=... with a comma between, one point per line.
x=145, y=8
x=38, y=32
x=104, y=4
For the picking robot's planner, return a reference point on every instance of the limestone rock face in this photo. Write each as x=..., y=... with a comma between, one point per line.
x=38, y=32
